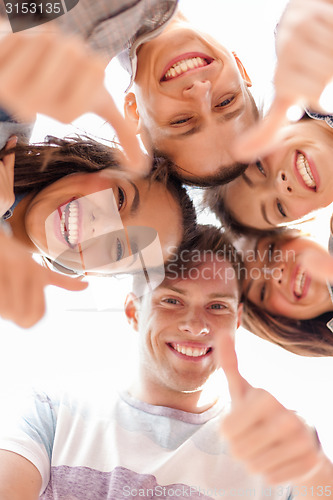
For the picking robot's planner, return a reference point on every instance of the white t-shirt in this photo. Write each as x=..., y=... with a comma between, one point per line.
x=123, y=448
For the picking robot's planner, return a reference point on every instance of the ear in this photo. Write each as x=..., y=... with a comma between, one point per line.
x=242, y=70
x=239, y=315
x=132, y=310
x=131, y=110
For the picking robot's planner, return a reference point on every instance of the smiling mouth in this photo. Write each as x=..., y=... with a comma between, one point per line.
x=193, y=352
x=69, y=223
x=305, y=171
x=185, y=65
x=299, y=283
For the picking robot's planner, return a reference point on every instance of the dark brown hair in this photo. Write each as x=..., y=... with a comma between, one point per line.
x=39, y=165
x=213, y=199
x=205, y=244
x=310, y=337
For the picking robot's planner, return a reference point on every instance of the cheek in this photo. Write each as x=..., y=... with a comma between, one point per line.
x=278, y=304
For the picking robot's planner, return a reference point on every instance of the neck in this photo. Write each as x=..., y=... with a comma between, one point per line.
x=196, y=401
x=17, y=222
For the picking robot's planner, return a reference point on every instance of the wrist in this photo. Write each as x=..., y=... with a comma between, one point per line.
x=320, y=475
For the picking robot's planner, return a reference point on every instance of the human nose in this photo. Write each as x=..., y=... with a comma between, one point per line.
x=276, y=272
x=283, y=182
x=200, y=91
x=194, y=324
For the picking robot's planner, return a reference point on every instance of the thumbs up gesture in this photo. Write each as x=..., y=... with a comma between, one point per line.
x=271, y=440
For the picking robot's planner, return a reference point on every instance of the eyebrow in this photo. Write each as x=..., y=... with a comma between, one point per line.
x=136, y=199
x=247, y=180
x=264, y=214
x=210, y=296
x=174, y=289
x=222, y=296
x=224, y=118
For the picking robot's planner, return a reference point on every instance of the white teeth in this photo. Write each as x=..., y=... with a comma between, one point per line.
x=73, y=223
x=305, y=171
x=184, y=65
x=299, y=283
x=194, y=352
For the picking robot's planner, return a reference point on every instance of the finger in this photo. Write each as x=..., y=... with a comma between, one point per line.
x=266, y=430
x=264, y=137
x=135, y=159
x=228, y=361
x=278, y=454
x=66, y=282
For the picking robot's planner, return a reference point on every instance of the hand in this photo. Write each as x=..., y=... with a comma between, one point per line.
x=304, y=46
x=22, y=283
x=57, y=75
x=268, y=438
x=7, y=196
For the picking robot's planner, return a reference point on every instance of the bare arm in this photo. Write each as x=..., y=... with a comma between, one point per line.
x=19, y=478
x=304, y=47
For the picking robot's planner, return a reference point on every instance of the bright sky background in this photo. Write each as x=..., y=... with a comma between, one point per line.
x=84, y=338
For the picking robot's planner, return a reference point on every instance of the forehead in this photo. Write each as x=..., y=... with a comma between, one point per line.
x=214, y=277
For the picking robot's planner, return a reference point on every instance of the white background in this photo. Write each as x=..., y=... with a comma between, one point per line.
x=84, y=338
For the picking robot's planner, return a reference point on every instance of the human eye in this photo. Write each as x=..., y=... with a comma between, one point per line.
x=121, y=198
x=280, y=208
x=260, y=167
x=271, y=248
x=180, y=120
x=217, y=307
x=262, y=292
x=119, y=250
x=225, y=102
x=171, y=301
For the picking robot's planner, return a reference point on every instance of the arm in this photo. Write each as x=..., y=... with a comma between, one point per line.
x=67, y=81
x=271, y=440
x=19, y=478
x=304, y=47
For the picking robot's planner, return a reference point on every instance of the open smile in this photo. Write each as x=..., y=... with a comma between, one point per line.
x=183, y=64
x=300, y=283
x=190, y=350
x=69, y=220
x=306, y=171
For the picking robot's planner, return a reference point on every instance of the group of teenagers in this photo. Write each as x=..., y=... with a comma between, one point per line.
x=91, y=208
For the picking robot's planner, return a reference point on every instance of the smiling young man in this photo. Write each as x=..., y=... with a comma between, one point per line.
x=191, y=98
x=166, y=437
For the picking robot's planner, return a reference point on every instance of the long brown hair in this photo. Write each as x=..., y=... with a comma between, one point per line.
x=310, y=337
x=39, y=165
